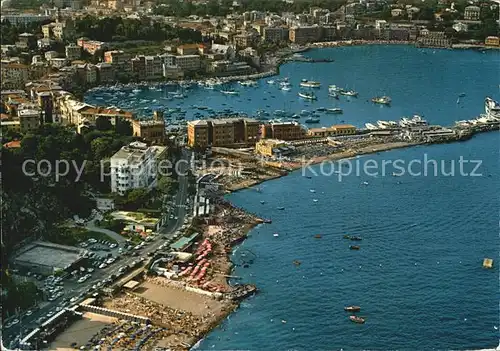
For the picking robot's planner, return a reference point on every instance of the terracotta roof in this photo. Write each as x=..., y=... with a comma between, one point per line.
x=12, y=144
x=4, y=116
x=16, y=65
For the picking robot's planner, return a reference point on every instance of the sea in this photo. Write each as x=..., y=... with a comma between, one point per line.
x=418, y=275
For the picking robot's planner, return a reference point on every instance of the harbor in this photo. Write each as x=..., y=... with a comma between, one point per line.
x=262, y=193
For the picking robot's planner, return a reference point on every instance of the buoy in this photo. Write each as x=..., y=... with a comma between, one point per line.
x=488, y=263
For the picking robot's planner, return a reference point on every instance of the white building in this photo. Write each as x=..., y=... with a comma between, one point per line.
x=188, y=62
x=135, y=166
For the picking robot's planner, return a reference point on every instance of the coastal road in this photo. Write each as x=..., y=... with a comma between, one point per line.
x=79, y=291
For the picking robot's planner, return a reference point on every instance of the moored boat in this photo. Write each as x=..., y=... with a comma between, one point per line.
x=348, y=93
x=335, y=110
x=312, y=120
x=357, y=319
x=383, y=100
x=352, y=308
x=310, y=84
x=309, y=96
x=354, y=247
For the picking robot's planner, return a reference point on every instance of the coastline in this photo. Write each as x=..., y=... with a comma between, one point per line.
x=281, y=58
x=348, y=154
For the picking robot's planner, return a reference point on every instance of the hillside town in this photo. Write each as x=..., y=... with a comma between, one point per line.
x=100, y=248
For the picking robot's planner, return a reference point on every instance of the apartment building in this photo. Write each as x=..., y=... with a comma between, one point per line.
x=29, y=119
x=335, y=130
x=135, y=166
x=275, y=34
x=472, y=13
x=150, y=130
x=73, y=52
x=119, y=59
x=153, y=67
x=245, y=39
x=222, y=132
x=57, y=30
x=14, y=75
x=305, y=34
x=91, y=46
x=188, y=63
x=188, y=49
x=282, y=130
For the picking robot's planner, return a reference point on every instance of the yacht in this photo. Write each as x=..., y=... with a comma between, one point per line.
x=371, y=126
x=335, y=110
x=383, y=100
x=492, y=108
x=334, y=88
x=305, y=113
x=348, y=93
x=310, y=84
x=386, y=124
x=418, y=121
x=312, y=120
x=295, y=117
x=309, y=96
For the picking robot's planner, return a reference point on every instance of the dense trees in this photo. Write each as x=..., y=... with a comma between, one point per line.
x=34, y=199
x=121, y=29
x=9, y=32
x=225, y=7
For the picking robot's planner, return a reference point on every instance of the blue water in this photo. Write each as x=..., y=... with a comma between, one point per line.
x=418, y=275
x=419, y=81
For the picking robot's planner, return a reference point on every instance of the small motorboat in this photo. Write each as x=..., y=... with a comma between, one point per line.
x=357, y=319
x=347, y=236
x=263, y=202
x=317, y=236
x=354, y=247
x=355, y=238
x=280, y=208
x=276, y=235
x=315, y=200
x=297, y=262
x=352, y=308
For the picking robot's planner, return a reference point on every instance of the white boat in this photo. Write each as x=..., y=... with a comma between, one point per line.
x=229, y=92
x=136, y=91
x=286, y=88
x=334, y=88
x=270, y=81
x=348, y=93
x=371, y=126
x=305, y=113
x=248, y=83
x=333, y=94
x=310, y=84
x=383, y=100
x=386, y=124
x=335, y=110
x=309, y=96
